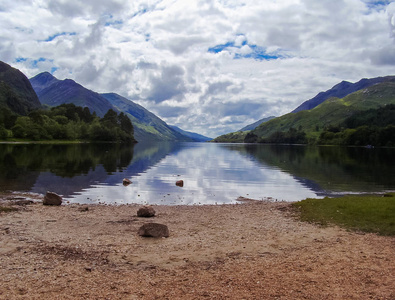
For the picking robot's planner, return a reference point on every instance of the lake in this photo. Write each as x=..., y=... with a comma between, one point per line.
x=212, y=173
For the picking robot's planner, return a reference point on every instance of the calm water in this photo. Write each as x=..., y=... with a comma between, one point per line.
x=212, y=173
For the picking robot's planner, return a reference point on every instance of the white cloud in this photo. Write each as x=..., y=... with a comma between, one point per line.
x=267, y=57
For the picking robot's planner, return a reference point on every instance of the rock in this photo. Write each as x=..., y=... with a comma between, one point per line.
x=154, y=230
x=146, y=212
x=24, y=202
x=126, y=182
x=180, y=183
x=52, y=199
x=83, y=208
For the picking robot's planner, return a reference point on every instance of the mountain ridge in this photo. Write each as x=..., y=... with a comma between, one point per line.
x=332, y=112
x=16, y=91
x=193, y=135
x=341, y=90
x=256, y=124
x=53, y=92
x=147, y=126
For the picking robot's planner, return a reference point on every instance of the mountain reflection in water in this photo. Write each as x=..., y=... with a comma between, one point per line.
x=212, y=173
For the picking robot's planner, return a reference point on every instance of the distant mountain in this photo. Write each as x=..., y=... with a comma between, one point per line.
x=341, y=90
x=147, y=126
x=54, y=92
x=16, y=92
x=238, y=136
x=195, y=136
x=42, y=81
x=256, y=124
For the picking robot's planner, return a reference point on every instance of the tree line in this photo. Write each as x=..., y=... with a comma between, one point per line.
x=66, y=122
x=374, y=127
x=292, y=136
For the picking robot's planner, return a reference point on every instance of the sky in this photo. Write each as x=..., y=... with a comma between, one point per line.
x=210, y=67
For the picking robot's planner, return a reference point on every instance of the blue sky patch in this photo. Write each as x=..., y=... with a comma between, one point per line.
x=258, y=53
x=113, y=23
x=52, y=37
x=36, y=61
x=20, y=59
x=140, y=12
x=377, y=4
x=220, y=48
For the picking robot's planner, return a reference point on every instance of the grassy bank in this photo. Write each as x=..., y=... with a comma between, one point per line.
x=27, y=141
x=7, y=209
x=367, y=213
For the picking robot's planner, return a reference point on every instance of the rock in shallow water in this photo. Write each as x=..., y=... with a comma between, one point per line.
x=126, y=182
x=180, y=183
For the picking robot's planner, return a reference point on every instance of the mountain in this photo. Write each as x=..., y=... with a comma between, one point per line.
x=341, y=90
x=333, y=111
x=195, y=136
x=54, y=92
x=42, y=81
x=16, y=92
x=256, y=124
x=147, y=126
x=239, y=136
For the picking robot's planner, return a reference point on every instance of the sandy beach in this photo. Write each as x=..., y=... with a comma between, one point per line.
x=253, y=250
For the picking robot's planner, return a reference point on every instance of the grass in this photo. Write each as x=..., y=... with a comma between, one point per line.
x=7, y=209
x=367, y=213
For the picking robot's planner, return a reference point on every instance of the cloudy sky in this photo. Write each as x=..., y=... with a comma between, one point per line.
x=210, y=67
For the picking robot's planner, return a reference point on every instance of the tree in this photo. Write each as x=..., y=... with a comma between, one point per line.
x=110, y=119
x=125, y=124
x=251, y=138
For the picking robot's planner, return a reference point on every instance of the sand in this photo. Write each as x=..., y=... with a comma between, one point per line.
x=254, y=250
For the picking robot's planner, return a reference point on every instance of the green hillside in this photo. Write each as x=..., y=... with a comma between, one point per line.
x=147, y=126
x=233, y=137
x=331, y=113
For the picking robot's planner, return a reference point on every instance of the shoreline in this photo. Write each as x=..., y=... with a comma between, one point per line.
x=253, y=250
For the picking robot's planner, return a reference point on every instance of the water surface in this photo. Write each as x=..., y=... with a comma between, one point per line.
x=212, y=173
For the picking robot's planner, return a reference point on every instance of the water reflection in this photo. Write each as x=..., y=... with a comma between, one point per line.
x=212, y=173
x=333, y=169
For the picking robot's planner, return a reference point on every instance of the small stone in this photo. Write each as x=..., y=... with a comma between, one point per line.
x=52, y=199
x=83, y=208
x=180, y=183
x=154, y=230
x=146, y=212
